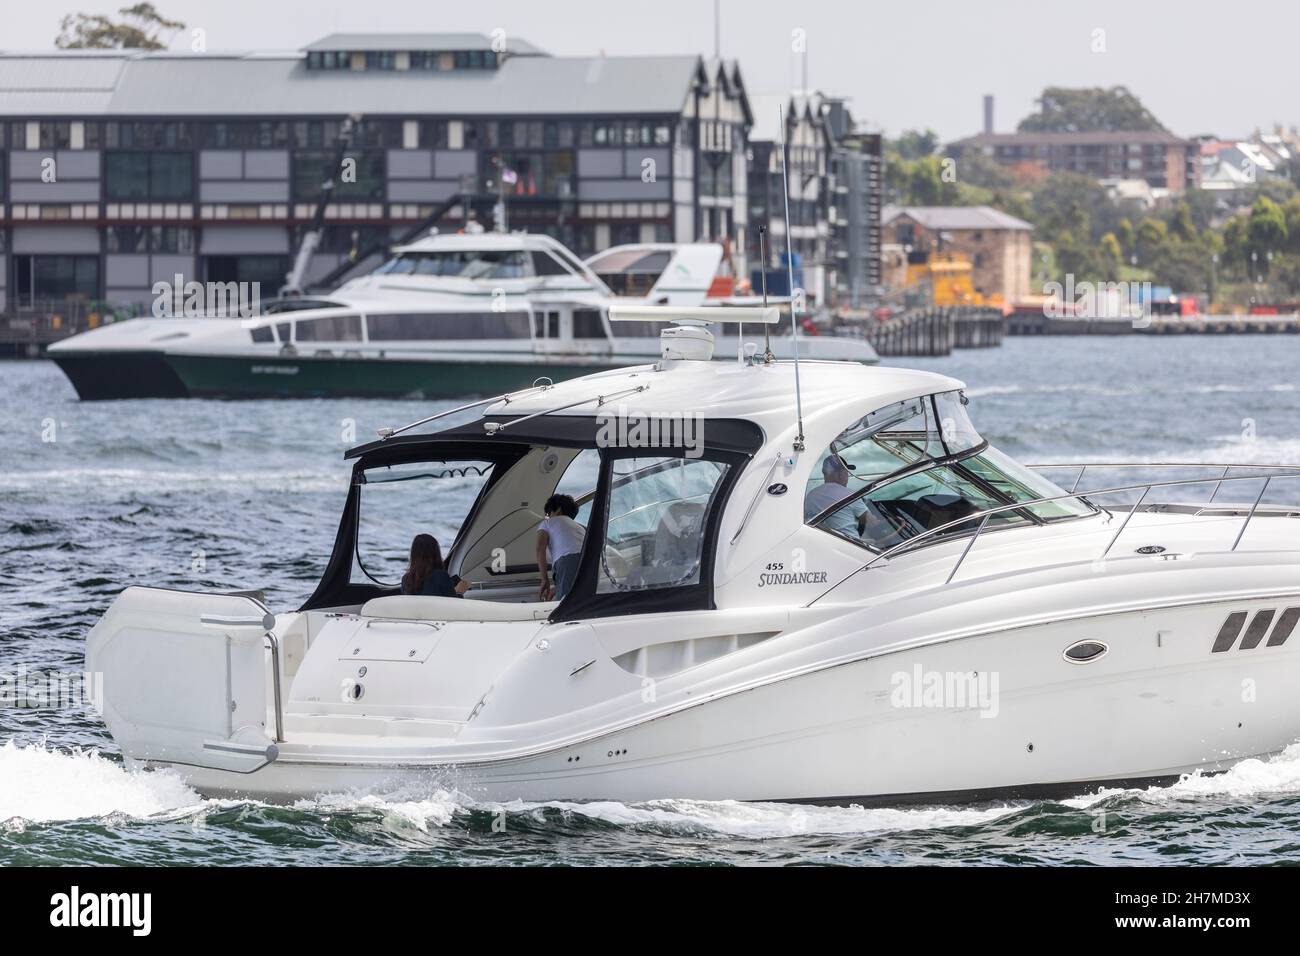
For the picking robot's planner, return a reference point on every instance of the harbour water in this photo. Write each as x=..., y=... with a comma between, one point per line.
x=232, y=495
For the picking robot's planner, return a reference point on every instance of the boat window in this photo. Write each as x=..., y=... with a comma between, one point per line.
x=415, y=326
x=1019, y=483
x=460, y=264
x=546, y=265
x=262, y=334
x=955, y=427
x=631, y=272
x=906, y=507
x=654, y=525
x=401, y=501
x=879, y=444
x=546, y=325
x=587, y=324
x=333, y=328
x=278, y=306
x=285, y=331
x=579, y=482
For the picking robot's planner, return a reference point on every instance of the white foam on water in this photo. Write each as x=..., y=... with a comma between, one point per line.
x=1254, y=777
x=774, y=820
x=408, y=807
x=41, y=785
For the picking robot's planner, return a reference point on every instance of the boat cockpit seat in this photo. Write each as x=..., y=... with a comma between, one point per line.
x=935, y=510
x=415, y=607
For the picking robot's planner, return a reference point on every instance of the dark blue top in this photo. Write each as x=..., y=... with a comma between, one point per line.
x=437, y=584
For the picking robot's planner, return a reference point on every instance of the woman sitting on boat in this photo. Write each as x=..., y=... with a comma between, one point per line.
x=427, y=575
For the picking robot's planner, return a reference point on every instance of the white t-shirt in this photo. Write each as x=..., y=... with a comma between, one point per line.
x=822, y=497
x=564, y=536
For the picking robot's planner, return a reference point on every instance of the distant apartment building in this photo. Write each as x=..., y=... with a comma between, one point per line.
x=997, y=246
x=835, y=187
x=1162, y=159
x=857, y=172
x=122, y=168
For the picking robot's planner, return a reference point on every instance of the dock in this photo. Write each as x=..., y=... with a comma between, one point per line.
x=934, y=331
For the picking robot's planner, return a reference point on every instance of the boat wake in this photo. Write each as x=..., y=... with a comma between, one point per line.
x=40, y=785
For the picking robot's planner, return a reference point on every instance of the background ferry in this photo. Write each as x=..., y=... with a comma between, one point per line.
x=446, y=315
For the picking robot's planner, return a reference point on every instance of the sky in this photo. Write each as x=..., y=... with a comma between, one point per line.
x=1201, y=66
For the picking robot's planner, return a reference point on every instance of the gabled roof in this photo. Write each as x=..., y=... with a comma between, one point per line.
x=383, y=42
x=163, y=83
x=769, y=108
x=955, y=217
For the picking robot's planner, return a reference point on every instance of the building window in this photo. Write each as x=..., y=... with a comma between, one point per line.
x=266, y=134
x=311, y=168
x=174, y=240
x=40, y=278
x=157, y=176
x=147, y=135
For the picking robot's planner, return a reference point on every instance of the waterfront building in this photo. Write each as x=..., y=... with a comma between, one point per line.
x=123, y=168
x=998, y=246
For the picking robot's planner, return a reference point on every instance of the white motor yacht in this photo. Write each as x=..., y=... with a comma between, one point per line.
x=811, y=582
x=447, y=315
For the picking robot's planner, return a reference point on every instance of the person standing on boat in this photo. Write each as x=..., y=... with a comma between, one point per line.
x=559, y=542
x=426, y=574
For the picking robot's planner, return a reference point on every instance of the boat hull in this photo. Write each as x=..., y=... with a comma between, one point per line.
x=211, y=376
x=107, y=375
x=1160, y=703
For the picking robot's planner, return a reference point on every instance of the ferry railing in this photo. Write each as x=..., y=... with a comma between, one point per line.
x=1145, y=489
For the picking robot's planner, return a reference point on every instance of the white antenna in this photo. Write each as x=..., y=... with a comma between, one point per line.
x=789, y=265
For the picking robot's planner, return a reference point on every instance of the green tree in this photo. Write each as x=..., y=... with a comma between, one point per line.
x=1124, y=233
x=1064, y=110
x=1180, y=225
x=141, y=28
x=1110, y=258
x=1151, y=237
x=1265, y=233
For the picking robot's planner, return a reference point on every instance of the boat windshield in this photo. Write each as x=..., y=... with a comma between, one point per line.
x=918, y=465
x=401, y=501
x=459, y=264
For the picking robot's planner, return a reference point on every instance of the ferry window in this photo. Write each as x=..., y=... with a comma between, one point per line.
x=546, y=325
x=587, y=324
x=902, y=509
x=654, y=525
x=285, y=331
x=401, y=501
x=336, y=328
x=262, y=334
x=544, y=265
x=448, y=325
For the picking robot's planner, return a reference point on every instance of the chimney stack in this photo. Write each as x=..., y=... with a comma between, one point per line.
x=988, y=113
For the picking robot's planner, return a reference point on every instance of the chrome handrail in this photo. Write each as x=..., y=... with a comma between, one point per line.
x=1083, y=467
x=985, y=514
